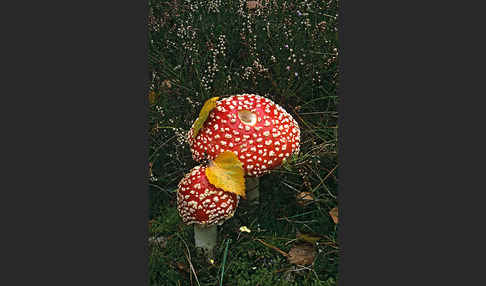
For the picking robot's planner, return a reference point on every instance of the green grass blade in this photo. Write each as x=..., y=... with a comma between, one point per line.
x=224, y=261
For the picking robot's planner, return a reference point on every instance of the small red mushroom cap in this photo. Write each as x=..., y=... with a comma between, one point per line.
x=260, y=132
x=198, y=201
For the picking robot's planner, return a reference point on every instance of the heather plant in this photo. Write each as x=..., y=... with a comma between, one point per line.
x=286, y=51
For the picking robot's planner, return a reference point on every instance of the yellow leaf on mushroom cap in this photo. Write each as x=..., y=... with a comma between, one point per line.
x=203, y=114
x=226, y=172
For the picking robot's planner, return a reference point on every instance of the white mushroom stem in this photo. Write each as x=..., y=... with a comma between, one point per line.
x=206, y=237
x=253, y=190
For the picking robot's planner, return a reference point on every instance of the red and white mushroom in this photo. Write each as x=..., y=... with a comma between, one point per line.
x=202, y=204
x=259, y=131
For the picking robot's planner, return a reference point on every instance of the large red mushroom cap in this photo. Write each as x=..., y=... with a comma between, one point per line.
x=198, y=201
x=260, y=132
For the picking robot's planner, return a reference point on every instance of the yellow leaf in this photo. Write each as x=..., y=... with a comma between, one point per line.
x=334, y=214
x=245, y=229
x=309, y=237
x=203, y=115
x=226, y=172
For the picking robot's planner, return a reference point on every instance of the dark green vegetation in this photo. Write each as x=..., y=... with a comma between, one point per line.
x=286, y=51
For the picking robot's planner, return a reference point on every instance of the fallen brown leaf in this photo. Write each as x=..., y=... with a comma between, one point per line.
x=167, y=83
x=150, y=169
x=253, y=4
x=182, y=267
x=304, y=198
x=334, y=214
x=302, y=254
x=152, y=96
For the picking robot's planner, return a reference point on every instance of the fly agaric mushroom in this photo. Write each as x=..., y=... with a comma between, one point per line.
x=259, y=131
x=204, y=205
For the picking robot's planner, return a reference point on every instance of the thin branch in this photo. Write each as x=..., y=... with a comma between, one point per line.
x=273, y=247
